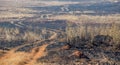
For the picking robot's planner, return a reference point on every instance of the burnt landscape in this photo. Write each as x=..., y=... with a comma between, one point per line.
x=60, y=32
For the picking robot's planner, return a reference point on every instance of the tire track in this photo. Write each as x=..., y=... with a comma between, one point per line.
x=37, y=53
x=38, y=42
x=31, y=57
x=38, y=50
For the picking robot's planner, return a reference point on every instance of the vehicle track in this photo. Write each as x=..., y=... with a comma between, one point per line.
x=38, y=51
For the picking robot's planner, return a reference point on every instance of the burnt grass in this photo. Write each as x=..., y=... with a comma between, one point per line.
x=101, y=51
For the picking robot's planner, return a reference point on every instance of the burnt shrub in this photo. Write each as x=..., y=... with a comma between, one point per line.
x=79, y=42
x=103, y=40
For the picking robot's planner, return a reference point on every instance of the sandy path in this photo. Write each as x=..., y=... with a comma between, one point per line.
x=28, y=58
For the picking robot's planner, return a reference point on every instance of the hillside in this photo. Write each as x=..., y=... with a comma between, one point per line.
x=59, y=32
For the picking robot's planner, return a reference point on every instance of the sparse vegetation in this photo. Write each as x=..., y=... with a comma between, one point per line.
x=83, y=37
x=14, y=34
x=83, y=33
x=89, y=18
x=62, y=32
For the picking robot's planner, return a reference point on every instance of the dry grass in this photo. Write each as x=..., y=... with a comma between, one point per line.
x=81, y=30
x=15, y=34
x=89, y=18
x=11, y=15
x=24, y=58
x=11, y=12
x=89, y=32
x=57, y=3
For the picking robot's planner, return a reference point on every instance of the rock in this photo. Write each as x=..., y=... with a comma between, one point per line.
x=79, y=54
x=66, y=47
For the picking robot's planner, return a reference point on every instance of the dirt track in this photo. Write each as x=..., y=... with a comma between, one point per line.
x=30, y=57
